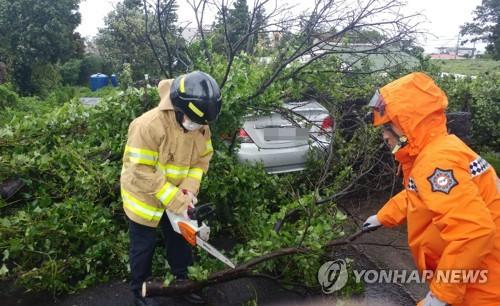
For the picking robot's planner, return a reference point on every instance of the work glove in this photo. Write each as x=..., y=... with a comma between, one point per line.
x=431, y=300
x=192, y=197
x=371, y=222
x=180, y=204
x=193, y=201
x=186, y=202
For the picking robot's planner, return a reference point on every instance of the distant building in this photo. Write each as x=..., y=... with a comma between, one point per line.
x=445, y=56
x=275, y=38
x=454, y=53
x=191, y=34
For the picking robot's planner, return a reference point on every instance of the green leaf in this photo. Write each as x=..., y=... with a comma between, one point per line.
x=5, y=255
x=5, y=222
x=4, y=271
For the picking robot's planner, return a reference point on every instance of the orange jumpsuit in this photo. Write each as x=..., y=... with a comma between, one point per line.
x=451, y=201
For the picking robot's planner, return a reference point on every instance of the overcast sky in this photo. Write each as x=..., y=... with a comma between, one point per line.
x=444, y=17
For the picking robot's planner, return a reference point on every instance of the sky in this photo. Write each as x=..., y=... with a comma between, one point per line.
x=444, y=17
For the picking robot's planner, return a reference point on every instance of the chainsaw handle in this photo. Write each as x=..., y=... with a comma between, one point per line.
x=200, y=212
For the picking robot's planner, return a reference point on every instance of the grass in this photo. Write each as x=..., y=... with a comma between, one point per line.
x=468, y=66
x=493, y=159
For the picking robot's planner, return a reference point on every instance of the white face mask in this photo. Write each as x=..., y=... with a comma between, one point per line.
x=190, y=125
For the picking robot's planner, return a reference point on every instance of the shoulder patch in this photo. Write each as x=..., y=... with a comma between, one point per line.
x=442, y=180
x=411, y=185
x=478, y=166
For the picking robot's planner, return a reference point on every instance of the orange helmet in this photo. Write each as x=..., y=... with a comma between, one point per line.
x=414, y=103
x=413, y=96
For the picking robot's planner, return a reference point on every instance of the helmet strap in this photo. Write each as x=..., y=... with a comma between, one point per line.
x=402, y=141
x=179, y=117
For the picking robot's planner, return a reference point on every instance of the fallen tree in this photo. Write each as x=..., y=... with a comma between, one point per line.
x=158, y=288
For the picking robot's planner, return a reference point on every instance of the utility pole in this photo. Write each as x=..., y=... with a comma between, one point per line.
x=458, y=40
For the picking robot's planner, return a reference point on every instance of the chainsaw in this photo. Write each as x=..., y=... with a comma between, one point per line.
x=195, y=231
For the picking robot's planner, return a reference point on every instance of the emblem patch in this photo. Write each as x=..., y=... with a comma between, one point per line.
x=442, y=180
x=411, y=185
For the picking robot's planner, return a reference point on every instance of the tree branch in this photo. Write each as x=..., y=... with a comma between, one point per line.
x=157, y=288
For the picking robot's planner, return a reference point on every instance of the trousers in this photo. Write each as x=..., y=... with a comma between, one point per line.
x=143, y=240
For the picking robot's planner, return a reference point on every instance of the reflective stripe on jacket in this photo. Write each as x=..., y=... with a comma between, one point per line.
x=161, y=159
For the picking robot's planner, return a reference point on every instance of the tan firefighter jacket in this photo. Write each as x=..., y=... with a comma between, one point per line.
x=160, y=161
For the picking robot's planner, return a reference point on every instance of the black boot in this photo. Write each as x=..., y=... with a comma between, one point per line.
x=192, y=297
x=139, y=300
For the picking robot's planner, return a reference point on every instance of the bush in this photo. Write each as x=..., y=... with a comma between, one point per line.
x=480, y=96
x=67, y=230
x=57, y=255
x=3, y=73
x=241, y=192
x=38, y=78
x=70, y=72
x=493, y=159
x=7, y=97
x=126, y=77
x=44, y=78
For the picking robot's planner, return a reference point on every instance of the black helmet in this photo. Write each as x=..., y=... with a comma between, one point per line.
x=197, y=95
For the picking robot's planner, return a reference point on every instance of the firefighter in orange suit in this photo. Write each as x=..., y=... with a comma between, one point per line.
x=168, y=150
x=451, y=200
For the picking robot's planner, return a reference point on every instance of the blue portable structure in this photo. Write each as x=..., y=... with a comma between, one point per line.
x=114, y=80
x=98, y=80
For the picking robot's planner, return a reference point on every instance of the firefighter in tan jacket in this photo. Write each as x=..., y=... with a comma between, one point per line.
x=167, y=153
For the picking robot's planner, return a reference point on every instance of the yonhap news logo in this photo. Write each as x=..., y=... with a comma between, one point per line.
x=333, y=276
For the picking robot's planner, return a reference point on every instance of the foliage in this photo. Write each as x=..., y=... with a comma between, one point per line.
x=35, y=105
x=480, y=97
x=70, y=71
x=471, y=67
x=63, y=246
x=92, y=64
x=37, y=33
x=126, y=76
x=323, y=227
x=237, y=22
x=125, y=39
x=493, y=159
x=77, y=71
x=364, y=36
x=3, y=73
x=72, y=173
x=259, y=237
x=247, y=74
x=118, y=42
x=240, y=192
x=45, y=78
x=486, y=26
x=66, y=230
x=7, y=97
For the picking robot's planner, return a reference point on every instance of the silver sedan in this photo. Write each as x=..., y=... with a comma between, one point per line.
x=281, y=141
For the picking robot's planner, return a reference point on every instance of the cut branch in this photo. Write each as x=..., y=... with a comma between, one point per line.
x=157, y=288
